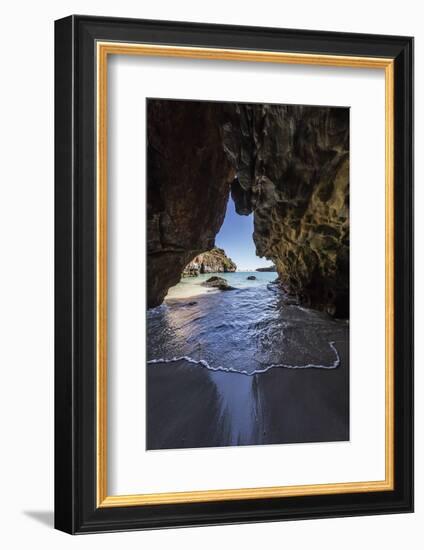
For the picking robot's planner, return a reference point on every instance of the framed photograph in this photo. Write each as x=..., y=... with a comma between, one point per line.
x=233, y=274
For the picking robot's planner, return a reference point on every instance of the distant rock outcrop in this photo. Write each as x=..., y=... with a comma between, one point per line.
x=214, y=261
x=270, y=269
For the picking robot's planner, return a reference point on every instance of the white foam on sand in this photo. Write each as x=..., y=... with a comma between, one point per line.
x=205, y=364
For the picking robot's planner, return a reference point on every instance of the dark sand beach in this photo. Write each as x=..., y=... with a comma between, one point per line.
x=190, y=405
x=193, y=407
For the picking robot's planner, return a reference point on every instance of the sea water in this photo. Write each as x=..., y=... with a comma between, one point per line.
x=248, y=330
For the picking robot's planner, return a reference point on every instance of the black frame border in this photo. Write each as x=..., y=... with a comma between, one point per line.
x=75, y=274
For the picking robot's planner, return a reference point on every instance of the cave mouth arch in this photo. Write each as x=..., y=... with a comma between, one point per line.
x=234, y=249
x=235, y=237
x=292, y=168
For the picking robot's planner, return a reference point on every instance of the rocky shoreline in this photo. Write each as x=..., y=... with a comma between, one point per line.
x=270, y=269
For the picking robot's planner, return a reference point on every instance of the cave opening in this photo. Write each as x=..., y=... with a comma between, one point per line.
x=235, y=237
x=233, y=250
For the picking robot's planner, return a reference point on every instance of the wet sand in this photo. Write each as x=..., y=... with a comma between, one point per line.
x=190, y=407
x=191, y=287
x=188, y=288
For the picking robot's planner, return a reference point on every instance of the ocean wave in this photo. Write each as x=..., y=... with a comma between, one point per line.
x=205, y=364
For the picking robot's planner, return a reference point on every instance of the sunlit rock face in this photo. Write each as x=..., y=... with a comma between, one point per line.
x=213, y=261
x=289, y=165
x=292, y=171
x=188, y=177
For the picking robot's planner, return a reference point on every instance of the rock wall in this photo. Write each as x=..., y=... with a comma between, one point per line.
x=188, y=185
x=287, y=164
x=292, y=166
x=213, y=261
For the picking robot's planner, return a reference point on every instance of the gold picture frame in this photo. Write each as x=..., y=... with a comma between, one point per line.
x=106, y=49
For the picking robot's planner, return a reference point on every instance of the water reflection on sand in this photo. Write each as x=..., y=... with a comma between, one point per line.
x=246, y=330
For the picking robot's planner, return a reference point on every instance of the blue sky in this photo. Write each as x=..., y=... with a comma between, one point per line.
x=235, y=237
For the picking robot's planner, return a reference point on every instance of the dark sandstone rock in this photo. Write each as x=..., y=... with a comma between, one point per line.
x=191, y=270
x=292, y=165
x=188, y=185
x=218, y=282
x=251, y=278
